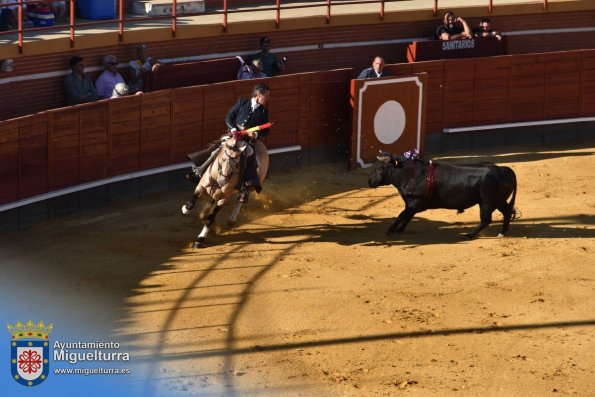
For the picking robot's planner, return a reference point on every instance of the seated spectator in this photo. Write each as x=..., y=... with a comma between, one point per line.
x=253, y=70
x=270, y=65
x=78, y=86
x=375, y=71
x=139, y=67
x=453, y=28
x=9, y=15
x=6, y=19
x=109, y=78
x=59, y=10
x=485, y=30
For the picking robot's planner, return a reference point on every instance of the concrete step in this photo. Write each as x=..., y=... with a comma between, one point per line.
x=164, y=7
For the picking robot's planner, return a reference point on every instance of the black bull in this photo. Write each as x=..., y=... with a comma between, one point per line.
x=425, y=185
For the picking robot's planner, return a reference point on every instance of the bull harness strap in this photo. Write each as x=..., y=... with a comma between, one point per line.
x=430, y=179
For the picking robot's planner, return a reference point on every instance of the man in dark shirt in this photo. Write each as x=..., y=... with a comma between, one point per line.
x=270, y=65
x=485, y=30
x=453, y=28
x=375, y=71
x=78, y=86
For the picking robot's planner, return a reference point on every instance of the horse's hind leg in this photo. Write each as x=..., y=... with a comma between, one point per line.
x=233, y=217
x=200, y=240
x=207, y=209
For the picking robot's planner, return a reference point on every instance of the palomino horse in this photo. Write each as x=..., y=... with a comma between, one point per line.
x=220, y=179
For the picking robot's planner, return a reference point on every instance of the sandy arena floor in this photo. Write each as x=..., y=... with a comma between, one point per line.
x=308, y=297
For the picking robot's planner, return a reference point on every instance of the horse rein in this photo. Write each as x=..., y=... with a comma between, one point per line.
x=233, y=162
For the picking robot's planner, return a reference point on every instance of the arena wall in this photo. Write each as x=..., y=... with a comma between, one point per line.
x=35, y=84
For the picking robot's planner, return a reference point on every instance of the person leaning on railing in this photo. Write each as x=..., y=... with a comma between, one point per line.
x=139, y=67
x=78, y=87
x=484, y=29
x=9, y=15
x=376, y=70
x=270, y=65
x=453, y=28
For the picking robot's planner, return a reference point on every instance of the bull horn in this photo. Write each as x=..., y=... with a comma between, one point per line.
x=383, y=158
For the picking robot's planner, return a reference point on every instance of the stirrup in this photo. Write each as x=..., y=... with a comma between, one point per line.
x=244, y=194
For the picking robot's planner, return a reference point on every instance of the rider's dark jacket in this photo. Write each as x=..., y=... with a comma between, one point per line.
x=241, y=116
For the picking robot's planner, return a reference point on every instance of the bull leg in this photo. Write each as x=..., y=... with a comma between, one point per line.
x=485, y=214
x=200, y=240
x=189, y=204
x=407, y=216
x=401, y=218
x=506, y=210
x=394, y=226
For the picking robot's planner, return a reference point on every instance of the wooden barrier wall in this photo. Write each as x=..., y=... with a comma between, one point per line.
x=70, y=146
x=175, y=75
x=506, y=89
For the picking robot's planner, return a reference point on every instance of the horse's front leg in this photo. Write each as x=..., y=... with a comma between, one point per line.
x=186, y=208
x=200, y=240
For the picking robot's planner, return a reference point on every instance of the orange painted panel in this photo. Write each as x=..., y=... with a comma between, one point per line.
x=124, y=135
x=388, y=115
x=218, y=99
x=459, y=92
x=34, y=155
x=64, y=144
x=187, y=128
x=9, y=158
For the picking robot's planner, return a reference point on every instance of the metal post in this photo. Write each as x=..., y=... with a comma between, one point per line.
x=120, y=20
x=20, y=25
x=435, y=7
x=328, y=11
x=490, y=7
x=382, y=10
x=174, y=18
x=71, y=21
x=545, y=4
x=224, y=15
x=278, y=17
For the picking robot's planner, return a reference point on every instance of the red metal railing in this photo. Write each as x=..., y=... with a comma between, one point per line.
x=121, y=20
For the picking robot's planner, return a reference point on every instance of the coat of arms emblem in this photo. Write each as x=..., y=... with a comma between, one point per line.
x=29, y=352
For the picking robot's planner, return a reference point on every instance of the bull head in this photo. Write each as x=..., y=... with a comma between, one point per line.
x=386, y=158
x=383, y=156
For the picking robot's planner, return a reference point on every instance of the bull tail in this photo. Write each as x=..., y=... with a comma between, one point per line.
x=516, y=214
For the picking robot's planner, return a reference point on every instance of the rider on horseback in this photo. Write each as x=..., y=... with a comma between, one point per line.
x=244, y=114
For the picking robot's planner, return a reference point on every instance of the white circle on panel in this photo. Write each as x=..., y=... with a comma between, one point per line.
x=389, y=122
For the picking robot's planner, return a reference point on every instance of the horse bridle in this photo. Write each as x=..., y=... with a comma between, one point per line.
x=233, y=161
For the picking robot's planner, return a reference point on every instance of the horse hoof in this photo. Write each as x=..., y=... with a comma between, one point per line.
x=231, y=223
x=185, y=210
x=200, y=243
x=469, y=236
x=500, y=235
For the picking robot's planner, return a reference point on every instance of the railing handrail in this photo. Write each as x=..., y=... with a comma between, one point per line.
x=121, y=20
